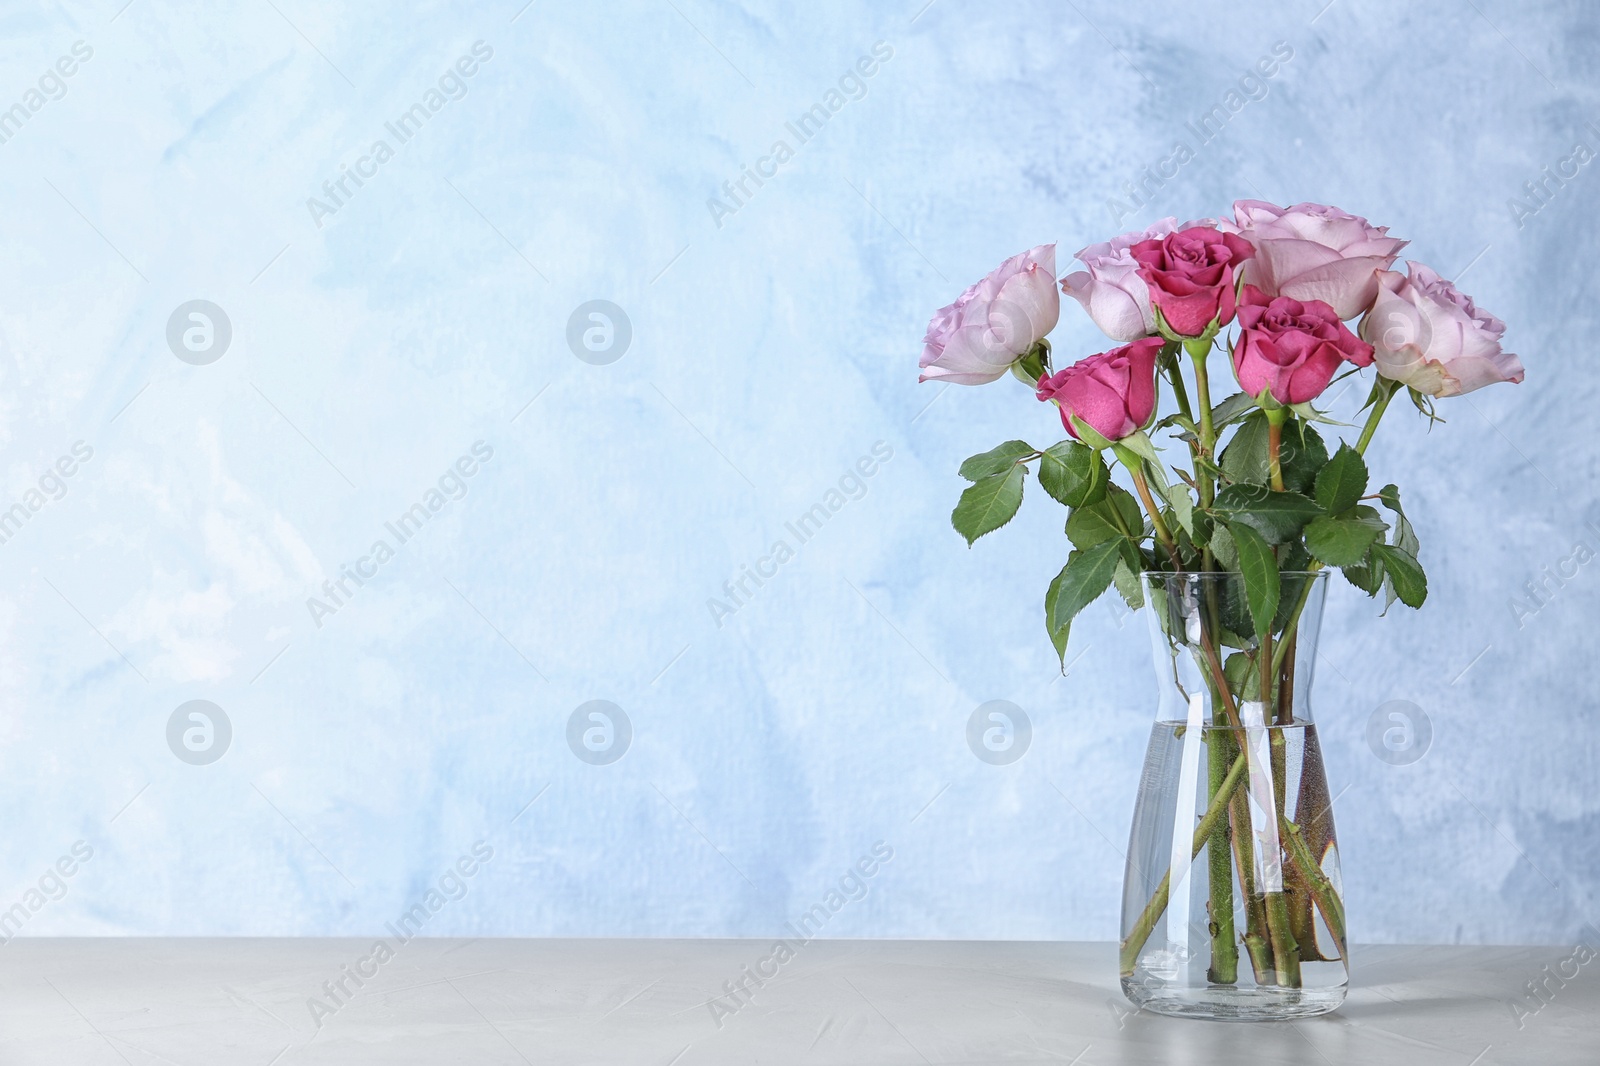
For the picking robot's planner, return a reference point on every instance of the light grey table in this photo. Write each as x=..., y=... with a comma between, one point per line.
x=649, y=1002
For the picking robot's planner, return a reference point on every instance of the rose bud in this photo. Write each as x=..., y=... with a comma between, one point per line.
x=1113, y=393
x=1291, y=348
x=995, y=322
x=1315, y=252
x=1432, y=337
x=1190, y=275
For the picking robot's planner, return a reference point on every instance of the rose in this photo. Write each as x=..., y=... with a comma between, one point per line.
x=995, y=322
x=1430, y=336
x=1113, y=393
x=1291, y=348
x=1111, y=290
x=1315, y=252
x=1190, y=275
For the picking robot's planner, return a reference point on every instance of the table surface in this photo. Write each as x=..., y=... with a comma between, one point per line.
x=251, y=1002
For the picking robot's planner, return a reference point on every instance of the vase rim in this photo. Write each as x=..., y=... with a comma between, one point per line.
x=1167, y=575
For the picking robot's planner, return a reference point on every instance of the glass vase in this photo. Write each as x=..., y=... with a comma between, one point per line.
x=1232, y=906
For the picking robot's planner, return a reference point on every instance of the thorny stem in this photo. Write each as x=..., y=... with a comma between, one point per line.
x=1162, y=533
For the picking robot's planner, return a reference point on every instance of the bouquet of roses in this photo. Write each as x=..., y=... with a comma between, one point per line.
x=1230, y=536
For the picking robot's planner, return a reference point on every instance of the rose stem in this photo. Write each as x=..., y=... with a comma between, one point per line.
x=1321, y=888
x=1255, y=939
x=1224, y=951
x=1274, y=445
x=1372, y=420
x=1162, y=533
x=1305, y=593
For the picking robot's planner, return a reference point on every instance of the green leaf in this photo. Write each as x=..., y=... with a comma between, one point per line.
x=1243, y=674
x=1087, y=574
x=1259, y=567
x=1342, y=482
x=1223, y=548
x=1126, y=578
x=1302, y=456
x=1366, y=575
x=1244, y=460
x=996, y=460
x=1115, y=515
x=986, y=506
x=1343, y=540
x=1405, y=538
x=1058, y=634
x=1183, y=510
x=1402, y=568
x=1277, y=516
x=1231, y=410
x=1073, y=473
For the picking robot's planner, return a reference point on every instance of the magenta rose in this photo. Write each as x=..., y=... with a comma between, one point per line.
x=1292, y=348
x=1315, y=252
x=994, y=323
x=1111, y=289
x=1190, y=275
x=1432, y=337
x=1114, y=393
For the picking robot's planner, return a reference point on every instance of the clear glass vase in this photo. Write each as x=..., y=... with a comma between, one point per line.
x=1232, y=906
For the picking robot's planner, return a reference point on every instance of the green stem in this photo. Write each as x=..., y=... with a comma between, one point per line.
x=1275, y=421
x=1322, y=889
x=1372, y=420
x=1285, y=952
x=1255, y=904
x=1208, y=431
x=1162, y=534
x=1224, y=950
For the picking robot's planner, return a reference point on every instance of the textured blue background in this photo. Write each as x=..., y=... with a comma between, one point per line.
x=768, y=354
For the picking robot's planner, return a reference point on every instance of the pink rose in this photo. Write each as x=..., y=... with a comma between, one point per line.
x=1315, y=252
x=1291, y=347
x=1430, y=336
x=1190, y=275
x=1114, y=393
x=995, y=322
x=1111, y=290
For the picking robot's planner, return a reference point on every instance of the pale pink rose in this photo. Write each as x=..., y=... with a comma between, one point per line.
x=1315, y=252
x=1111, y=290
x=994, y=323
x=1427, y=334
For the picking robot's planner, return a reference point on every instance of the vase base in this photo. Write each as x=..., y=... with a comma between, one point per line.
x=1225, y=1003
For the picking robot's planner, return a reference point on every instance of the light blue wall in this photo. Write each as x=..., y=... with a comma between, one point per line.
x=768, y=354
